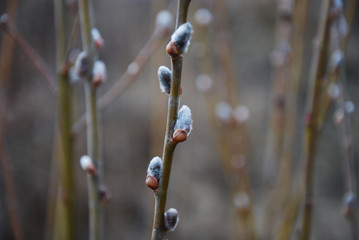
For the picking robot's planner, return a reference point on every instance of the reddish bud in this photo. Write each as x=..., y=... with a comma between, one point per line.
x=179, y=135
x=151, y=182
x=172, y=50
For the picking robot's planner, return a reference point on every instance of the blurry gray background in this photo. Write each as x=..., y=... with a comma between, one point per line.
x=198, y=188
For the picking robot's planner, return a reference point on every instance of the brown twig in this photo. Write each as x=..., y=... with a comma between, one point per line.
x=29, y=51
x=65, y=207
x=316, y=78
x=6, y=61
x=129, y=75
x=159, y=230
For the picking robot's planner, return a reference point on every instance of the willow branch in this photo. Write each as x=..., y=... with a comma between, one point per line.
x=65, y=213
x=316, y=78
x=29, y=51
x=93, y=144
x=230, y=135
x=159, y=34
x=6, y=61
x=159, y=230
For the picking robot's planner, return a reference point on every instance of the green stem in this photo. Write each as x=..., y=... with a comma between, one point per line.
x=316, y=78
x=65, y=218
x=93, y=145
x=159, y=230
x=93, y=182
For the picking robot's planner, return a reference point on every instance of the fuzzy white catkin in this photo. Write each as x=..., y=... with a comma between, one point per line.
x=241, y=113
x=97, y=37
x=155, y=168
x=99, y=70
x=182, y=37
x=336, y=59
x=203, y=16
x=333, y=91
x=184, y=119
x=82, y=64
x=223, y=111
x=204, y=82
x=164, y=19
x=171, y=219
x=164, y=77
x=85, y=162
x=349, y=106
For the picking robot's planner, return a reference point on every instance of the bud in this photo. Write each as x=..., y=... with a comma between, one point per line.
x=241, y=114
x=349, y=202
x=179, y=136
x=154, y=173
x=204, y=83
x=171, y=219
x=165, y=77
x=82, y=64
x=87, y=165
x=164, y=19
x=223, y=111
x=285, y=11
x=133, y=68
x=333, y=91
x=336, y=60
x=241, y=200
x=105, y=195
x=4, y=20
x=203, y=16
x=349, y=107
x=97, y=38
x=339, y=116
x=342, y=26
x=183, y=125
x=99, y=73
x=151, y=182
x=180, y=40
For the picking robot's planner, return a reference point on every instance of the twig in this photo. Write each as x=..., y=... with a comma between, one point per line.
x=6, y=61
x=65, y=211
x=230, y=135
x=276, y=171
x=11, y=199
x=129, y=75
x=93, y=144
x=29, y=51
x=316, y=78
x=159, y=230
x=344, y=128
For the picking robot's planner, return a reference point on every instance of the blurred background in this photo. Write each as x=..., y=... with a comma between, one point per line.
x=134, y=124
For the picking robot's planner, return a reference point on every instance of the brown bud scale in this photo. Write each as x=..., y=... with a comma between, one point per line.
x=152, y=182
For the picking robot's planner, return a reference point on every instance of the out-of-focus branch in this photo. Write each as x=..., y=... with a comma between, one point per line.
x=6, y=61
x=134, y=68
x=311, y=133
x=29, y=51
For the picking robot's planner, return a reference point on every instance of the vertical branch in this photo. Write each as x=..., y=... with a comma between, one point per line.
x=159, y=229
x=65, y=216
x=342, y=118
x=6, y=61
x=311, y=132
x=93, y=145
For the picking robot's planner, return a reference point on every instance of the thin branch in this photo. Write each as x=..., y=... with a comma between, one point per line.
x=316, y=78
x=29, y=51
x=159, y=230
x=65, y=210
x=6, y=61
x=94, y=183
x=230, y=135
x=131, y=73
x=345, y=132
